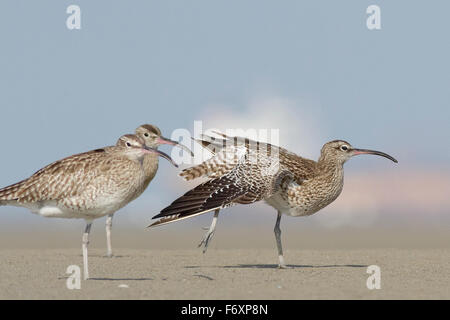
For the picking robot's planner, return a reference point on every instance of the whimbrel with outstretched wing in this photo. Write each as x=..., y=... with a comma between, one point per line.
x=243, y=171
x=151, y=135
x=88, y=185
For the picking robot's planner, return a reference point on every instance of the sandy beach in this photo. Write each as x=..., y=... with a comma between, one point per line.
x=164, y=263
x=227, y=274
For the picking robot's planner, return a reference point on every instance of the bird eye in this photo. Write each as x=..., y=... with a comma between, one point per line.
x=344, y=148
x=146, y=134
x=128, y=144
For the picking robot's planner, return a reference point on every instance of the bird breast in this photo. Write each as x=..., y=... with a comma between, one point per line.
x=308, y=197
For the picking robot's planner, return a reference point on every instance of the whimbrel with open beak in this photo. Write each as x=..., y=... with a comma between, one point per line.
x=151, y=135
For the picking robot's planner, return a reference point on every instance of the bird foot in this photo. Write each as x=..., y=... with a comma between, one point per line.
x=283, y=266
x=205, y=240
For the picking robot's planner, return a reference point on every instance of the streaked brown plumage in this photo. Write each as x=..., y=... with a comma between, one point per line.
x=89, y=185
x=243, y=171
x=152, y=138
x=151, y=135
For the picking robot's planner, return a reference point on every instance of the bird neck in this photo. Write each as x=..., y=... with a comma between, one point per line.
x=330, y=166
x=150, y=162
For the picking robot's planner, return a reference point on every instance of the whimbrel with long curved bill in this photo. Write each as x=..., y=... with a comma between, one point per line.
x=243, y=171
x=151, y=135
x=88, y=185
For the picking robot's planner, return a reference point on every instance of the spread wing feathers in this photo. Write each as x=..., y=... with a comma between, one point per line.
x=227, y=153
x=220, y=164
x=212, y=144
x=245, y=184
x=215, y=145
x=302, y=168
x=214, y=194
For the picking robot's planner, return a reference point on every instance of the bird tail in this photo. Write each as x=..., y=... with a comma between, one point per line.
x=9, y=193
x=211, y=195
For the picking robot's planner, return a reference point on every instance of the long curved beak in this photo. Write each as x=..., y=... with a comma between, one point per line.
x=162, y=140
x=162, y=154
x=377, y=153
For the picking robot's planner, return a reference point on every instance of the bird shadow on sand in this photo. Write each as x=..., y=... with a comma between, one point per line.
x=294, y=266
x=121, y=279
x=106, y=257
x=275, y=266
x=202, y=276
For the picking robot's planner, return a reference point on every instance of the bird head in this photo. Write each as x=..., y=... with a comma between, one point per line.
x=136, y=149
x=152, y=137
x=341, y=151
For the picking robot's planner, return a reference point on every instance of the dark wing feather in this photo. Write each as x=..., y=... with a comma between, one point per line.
x=254, y=175
x=214, y=194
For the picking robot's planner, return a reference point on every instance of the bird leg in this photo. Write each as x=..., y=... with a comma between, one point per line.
x=208, y=235
x=277, y=231
x=85, y=249
x=108, y=235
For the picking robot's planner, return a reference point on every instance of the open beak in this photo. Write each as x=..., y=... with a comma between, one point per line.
x=162, y=154
x=162, y=140
x=377, y=153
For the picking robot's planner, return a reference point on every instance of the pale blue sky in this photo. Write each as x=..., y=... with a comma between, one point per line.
x=165, y=62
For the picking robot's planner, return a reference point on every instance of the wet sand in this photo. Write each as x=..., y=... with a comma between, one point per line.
x=226, y=274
